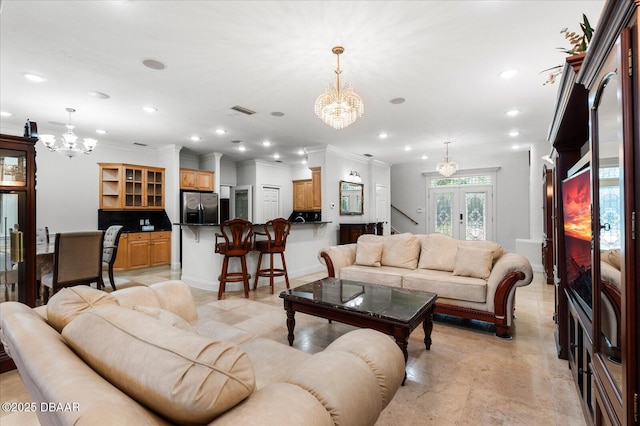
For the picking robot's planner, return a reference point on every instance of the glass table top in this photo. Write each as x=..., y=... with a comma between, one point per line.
x=370, y=299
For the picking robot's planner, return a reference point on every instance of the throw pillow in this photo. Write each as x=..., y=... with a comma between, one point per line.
x=185, y=377
x=400, y=250
x=70, y=302
x=438, y=252
x=164, y=316
x=368, y=254
x=473, y=262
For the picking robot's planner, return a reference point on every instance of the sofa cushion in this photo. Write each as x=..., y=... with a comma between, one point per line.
x=187, y=378
x=167, y=317
x=496, y=248
x=438, y=251
x=70, y=302
x=446, y=285
x=612, y=257
x=399, y=250
x=385, y=275
x=368, y=254
x=172, y=295
x=473, y=262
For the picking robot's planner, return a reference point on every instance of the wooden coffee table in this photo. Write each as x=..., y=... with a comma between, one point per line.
x=390, y=310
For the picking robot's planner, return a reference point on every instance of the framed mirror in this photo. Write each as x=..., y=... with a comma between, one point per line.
x=351, y=198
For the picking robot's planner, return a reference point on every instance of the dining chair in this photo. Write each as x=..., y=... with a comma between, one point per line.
x=110, y=250
x=236, y=234
x=42, y=237
x=77, y=260
x=276, y=231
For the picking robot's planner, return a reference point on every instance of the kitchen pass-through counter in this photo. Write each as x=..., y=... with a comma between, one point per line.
x=201, y=265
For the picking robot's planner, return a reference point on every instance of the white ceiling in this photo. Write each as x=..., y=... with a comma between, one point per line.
x=443, y=57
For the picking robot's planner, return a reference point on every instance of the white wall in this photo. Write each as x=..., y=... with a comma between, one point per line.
x=273, y=175
x=511, y=220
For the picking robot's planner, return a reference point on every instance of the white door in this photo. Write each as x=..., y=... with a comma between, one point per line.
x=382, y=206
x=461, y=212
x=270, y=203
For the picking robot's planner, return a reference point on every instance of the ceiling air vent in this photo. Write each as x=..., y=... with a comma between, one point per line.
x=140, y=144
x=368, y=155
x=243, y=110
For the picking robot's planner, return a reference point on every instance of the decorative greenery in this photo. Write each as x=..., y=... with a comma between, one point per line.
x=579, y=44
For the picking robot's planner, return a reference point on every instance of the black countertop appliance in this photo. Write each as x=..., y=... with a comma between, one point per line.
x=304, y=216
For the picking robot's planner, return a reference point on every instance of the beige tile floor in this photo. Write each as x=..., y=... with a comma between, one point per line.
x=469, y=377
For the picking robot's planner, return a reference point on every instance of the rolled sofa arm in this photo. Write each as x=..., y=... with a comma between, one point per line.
x=349, y=383
x=512, y=270
x=337, y=257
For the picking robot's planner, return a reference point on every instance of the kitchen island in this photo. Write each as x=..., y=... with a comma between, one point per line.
x=201, y=265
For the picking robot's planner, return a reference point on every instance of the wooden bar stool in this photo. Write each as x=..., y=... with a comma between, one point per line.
x=276, y=231
x=237, y=235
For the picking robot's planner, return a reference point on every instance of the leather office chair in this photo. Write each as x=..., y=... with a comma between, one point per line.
x=237, y=235
x=77, y=260
x=276, y=231
x=110, y=250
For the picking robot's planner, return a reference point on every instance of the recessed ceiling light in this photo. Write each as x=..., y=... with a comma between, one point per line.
x=424, y=157
x=301, y=152
x=153, y=64
x=5, y=114
x=266, y=143
x=242, y=148
x=98, y=95
x=515, y=146
x=304, y=161
x=383, y=135
x=397, y=101
x=407, y=148
x=220, y=131
x=276, y=156
x=513, y=112
x=101, y=132
x=35, y=78
x=514, y=133
x=508, y=73
x=195, y=138
x=149, y=109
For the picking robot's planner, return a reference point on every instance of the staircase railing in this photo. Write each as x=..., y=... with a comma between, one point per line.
x=404, y=214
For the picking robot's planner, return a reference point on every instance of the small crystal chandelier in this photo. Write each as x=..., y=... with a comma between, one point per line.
x=339, y=106
x=447, y=168
x=69, y=146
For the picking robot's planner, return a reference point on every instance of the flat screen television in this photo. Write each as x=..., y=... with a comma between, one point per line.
x=576, y=207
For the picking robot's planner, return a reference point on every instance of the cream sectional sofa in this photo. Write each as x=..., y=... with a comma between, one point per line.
x=473, y=279
x=142, y=356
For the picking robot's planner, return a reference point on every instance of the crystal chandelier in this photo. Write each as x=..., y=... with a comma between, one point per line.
x=69, y=146
x=447, y=168
x=339, y=106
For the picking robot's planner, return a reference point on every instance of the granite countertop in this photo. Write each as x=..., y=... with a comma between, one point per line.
x=255, y=224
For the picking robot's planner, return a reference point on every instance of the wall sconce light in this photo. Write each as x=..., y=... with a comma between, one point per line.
x=354, y=177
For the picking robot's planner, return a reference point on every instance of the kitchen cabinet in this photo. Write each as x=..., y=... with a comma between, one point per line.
x=302, y=195
x=307, y=193
x=131, y=187
x=316, y=188
x=199, y=180
x=138, y=250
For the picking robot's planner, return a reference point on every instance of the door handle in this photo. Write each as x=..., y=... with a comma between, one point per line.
x=461, y=219
x=17, y=248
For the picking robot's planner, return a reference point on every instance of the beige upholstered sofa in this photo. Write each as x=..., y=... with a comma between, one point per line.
x=142, y=356
x=473, y=279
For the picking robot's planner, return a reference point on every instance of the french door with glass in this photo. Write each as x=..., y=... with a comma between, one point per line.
x=462, y=212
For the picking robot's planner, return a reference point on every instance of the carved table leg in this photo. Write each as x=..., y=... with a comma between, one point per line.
x=403, y=343
x=427, y=325
x=291, y=323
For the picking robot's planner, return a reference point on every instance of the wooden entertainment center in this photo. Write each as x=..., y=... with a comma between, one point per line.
x=596, y=136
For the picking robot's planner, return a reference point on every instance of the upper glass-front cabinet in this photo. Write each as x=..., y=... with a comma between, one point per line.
x=13, y=167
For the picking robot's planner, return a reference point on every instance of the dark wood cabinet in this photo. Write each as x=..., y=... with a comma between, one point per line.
x=18, y=222
x=547, y=214
x=596, y=129
x=349, y=232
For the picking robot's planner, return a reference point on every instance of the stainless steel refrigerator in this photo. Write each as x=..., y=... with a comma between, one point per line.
x=199, y=207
